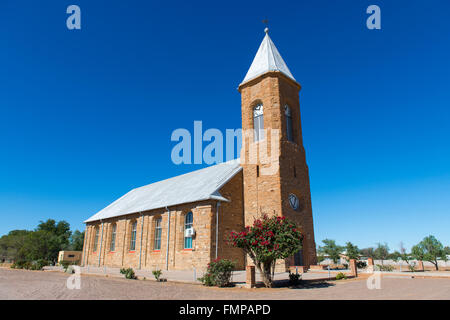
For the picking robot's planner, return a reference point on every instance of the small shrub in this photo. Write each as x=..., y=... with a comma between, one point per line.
x=27, y=265
x=129, y=273
x=341, y=276
x=207, y=280
x=361, y=264
x=70, y=269
x=219, y=273
x=385, y=268
x=157, y=273
x=39, y=264
x=21, y=264
x=294, y=278
x=65, y=264
x=412, y=266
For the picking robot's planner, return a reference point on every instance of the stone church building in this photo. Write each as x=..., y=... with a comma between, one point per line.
x=183, y=222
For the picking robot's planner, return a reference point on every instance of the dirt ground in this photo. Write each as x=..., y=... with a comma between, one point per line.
x=43, y=285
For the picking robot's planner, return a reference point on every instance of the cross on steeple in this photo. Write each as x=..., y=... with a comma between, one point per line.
x=266, y=22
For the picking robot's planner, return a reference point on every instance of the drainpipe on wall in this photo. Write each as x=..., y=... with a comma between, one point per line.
x=168, y=237
x=101, y=243
x=85, y=246
x=140, y=249
x=217, y=227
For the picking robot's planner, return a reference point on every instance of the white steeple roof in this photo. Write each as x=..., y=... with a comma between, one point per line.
x=267, y=59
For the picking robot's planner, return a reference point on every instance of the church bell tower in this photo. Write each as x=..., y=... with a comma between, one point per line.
x=276, y=178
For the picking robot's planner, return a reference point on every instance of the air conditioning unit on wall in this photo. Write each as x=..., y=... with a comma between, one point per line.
x=189, y=232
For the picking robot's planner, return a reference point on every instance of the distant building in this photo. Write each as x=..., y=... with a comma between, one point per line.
x=72, y=256
x=182, y=222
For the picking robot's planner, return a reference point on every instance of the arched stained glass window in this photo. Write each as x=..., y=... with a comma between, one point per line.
x=188, y=221
x=158, y=231
x=95, y=240
x=112, y=246
x=258, y=122
x=133, y=236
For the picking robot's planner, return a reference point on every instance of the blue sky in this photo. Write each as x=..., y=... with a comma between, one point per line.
x=87, y=115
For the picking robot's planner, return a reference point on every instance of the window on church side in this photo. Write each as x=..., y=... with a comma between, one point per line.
x=95, y=240
x=158, y=231
x=258, y=122
x=133, y=236
x=289, y=133
x=112, y=246
x=188, y=221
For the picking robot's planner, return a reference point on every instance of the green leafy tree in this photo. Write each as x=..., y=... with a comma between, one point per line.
x=395, y=256
x=266, y=241
x=60, y=229
x=42, y=244
x=429, y=249
x=404, y=255
x=368, y=252
x=352, y=251
x=331, y=249
x=381, y=252
x=76, y=241
x=11, y=243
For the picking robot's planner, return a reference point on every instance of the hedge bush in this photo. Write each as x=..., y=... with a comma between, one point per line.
x=30, y=265
x=218, y=273
x=294, y=278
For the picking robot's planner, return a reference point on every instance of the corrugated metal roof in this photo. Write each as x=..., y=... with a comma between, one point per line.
x=267, y=59
x=194, y=186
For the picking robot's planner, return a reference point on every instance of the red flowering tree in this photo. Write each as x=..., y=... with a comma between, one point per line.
x=266, y=241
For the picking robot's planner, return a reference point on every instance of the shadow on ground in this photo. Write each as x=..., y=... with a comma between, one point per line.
x=304, y=284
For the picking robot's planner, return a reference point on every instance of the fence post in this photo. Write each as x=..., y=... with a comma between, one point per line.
x=370, y=265
x=354, y=270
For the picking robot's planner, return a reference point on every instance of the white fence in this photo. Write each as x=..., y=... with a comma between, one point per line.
x=441, y=263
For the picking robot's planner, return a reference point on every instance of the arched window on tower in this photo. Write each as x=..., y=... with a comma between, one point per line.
x=188, y=221
x=258, y=122
x=288, y=114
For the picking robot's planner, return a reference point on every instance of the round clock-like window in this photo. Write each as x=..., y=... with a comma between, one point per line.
x=293, y=201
